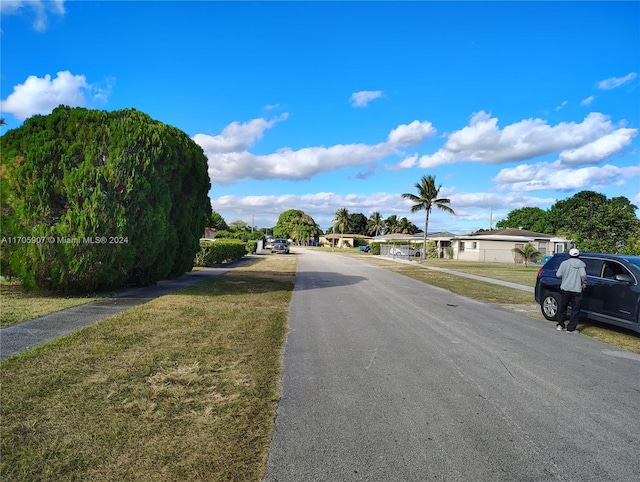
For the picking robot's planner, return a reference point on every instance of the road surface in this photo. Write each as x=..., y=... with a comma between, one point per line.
x=389, y=379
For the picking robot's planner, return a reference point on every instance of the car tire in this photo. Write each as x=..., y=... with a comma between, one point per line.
x=549, y=305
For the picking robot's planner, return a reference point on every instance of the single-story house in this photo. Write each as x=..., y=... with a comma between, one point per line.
x=342, y=240
x=498, y=245
x=442, y=240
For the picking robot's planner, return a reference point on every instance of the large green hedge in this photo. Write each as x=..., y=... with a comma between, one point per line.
x=220, y=251
x=97, y=200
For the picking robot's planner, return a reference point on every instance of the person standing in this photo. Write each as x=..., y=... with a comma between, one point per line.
x=574, y=280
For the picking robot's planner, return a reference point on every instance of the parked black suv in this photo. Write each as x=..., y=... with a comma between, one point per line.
x=612, y=294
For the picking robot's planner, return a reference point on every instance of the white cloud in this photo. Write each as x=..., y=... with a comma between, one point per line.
x=561, y=105
x=411, y=134
x=614, y=82
x=362, y=98
x=320, y=206
x=230, y=161
x=554, y=176
x=237, y=137
x=41, y=95
x=600, y=149
x=40, y=8
x=483, y=141
x=587, y=101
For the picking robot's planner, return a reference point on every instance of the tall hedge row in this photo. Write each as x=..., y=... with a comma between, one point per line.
x=98, y=200
x=220, y=251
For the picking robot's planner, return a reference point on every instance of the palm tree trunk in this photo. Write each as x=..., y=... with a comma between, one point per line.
x=424, y=239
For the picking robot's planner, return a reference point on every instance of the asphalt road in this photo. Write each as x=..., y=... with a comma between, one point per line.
x=389, y=379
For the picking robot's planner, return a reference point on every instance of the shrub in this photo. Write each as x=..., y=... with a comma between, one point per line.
x=220, y=251
x=110, y=198
x=251, y=246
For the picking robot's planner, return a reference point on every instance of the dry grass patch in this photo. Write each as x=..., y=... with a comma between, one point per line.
x=184, y=387
x=17, y=304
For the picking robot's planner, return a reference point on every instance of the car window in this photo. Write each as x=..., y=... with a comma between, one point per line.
x=594, y=266
x=612, y=268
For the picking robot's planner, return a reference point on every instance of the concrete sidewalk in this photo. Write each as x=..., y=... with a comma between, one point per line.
x=28, y=334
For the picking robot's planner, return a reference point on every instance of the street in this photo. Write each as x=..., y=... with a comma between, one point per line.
x=390, y=379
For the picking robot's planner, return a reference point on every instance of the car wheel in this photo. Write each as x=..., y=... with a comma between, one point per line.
x=549, y=305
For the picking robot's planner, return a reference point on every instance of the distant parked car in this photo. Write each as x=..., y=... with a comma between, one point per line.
x=280, y=245
x=612, y=294
x=404, y=251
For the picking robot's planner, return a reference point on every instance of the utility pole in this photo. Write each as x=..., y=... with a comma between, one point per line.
x=490, y=218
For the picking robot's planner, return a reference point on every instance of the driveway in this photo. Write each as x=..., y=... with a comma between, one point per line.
x=389, y=379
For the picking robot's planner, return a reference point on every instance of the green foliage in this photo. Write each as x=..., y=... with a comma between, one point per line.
x=251, y=246
x=529, y=218
x=426, y=199
x=375, y=248
x=295, y=224
x=595, y=223
x=239, y=225
x=242, y=235
x=219, y=251
x=111, y=198
x=529, y=253
x=358, y=223
x=375, y=224
x=342, y=220
x=217, y=221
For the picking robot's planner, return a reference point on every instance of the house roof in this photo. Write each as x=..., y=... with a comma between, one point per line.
x=414, y=237
x=345, y=235
x=508, y=234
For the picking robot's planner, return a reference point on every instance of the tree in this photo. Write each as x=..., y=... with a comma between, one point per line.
x=595, y=223
x=239, y=225
x=426, y=199
x=391, y=224
x=404, y=226
x=529, y=218
x=375, y=224
x=217, y=221
x=528, y=252
x=110, y=199
x=297, y=225
x=342, y=221
x=358, y=223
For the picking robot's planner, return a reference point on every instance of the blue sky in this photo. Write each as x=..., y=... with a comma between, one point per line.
x=323, y=105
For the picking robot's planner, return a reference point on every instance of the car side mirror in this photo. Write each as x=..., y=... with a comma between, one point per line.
x=625, y=278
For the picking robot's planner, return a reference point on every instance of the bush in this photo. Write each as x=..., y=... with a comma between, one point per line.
x=220, y=251
x=109, y=199
x=251, y=246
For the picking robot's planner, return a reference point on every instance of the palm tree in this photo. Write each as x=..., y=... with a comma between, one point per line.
x=375, y=224
x=391, y=224
x=343, y=221
x=404, y=226
x=426, y=199
x=528, y=253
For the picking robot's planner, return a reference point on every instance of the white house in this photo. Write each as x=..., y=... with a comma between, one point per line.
x=498, y=245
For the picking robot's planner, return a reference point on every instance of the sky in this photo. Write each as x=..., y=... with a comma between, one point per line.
x=319, y=106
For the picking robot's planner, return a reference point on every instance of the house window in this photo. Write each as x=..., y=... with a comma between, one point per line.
x=558, y=248
x=474, y=245
x=461, y=246
x=542, y=247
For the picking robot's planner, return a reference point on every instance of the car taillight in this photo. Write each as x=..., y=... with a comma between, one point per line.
x=539, y=272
